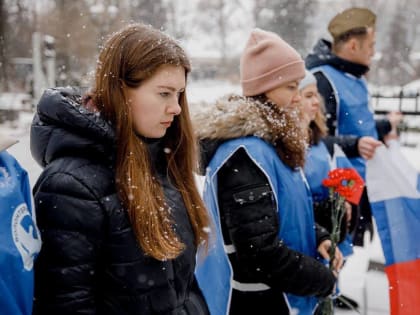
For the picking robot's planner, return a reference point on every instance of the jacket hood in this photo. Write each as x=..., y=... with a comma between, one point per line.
x=63, y=127
x=322, y=55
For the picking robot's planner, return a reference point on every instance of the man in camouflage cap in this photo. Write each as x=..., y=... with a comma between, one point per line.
x=339, y=68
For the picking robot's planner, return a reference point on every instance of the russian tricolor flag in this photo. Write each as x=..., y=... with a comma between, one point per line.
x=393, y=187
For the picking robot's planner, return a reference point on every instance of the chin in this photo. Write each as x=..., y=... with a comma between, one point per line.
x=156, y=136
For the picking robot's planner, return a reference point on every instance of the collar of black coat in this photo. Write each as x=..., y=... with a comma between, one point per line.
x=6, y=142
x=322, y=55
x=157, y=151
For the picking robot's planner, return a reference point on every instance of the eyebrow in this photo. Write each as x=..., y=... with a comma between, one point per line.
x=170, y=88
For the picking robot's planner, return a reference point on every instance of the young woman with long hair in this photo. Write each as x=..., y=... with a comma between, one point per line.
x=119, y=212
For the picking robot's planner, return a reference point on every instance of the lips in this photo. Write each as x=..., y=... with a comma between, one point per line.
x=166, y=123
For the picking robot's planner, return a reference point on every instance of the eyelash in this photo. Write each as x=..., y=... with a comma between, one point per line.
x=167, y=94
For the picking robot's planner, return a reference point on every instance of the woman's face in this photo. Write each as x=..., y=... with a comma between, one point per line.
x=310, y=101
x=285, y=95
x=155, y=103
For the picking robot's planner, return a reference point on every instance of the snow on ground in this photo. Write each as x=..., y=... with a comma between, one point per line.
x=368, y=288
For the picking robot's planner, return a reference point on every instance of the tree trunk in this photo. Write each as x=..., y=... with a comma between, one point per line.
x=4, y=62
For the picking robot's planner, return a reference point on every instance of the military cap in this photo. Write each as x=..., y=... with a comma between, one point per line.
x=351, y=19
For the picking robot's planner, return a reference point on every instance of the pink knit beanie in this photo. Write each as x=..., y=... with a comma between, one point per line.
x=267, y=62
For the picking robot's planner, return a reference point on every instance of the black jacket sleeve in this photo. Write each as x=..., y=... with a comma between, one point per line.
x=250, y=222
x=383, y=126
x=70, y=220
x=321, y=234
x=327, y=93
x=347, y=143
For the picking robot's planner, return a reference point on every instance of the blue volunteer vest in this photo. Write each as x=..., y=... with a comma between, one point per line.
x=295, y=211
x=354, y=115
x=317, y=165
x=19, y=239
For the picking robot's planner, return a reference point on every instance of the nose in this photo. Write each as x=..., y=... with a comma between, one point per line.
x=174, y=108
x=315, y=102
x=296, y=98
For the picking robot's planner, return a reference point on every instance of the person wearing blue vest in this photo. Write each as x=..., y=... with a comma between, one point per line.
x=339, y=68
x=323, y=156
x=20, y=240
x=253, y=152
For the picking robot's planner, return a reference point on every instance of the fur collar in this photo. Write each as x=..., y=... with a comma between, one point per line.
x=234, y=116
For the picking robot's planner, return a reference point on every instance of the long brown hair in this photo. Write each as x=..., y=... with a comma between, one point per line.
x=128, y=58
x=290, y=139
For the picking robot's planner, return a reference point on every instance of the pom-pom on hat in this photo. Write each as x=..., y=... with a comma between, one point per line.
x=268, y=62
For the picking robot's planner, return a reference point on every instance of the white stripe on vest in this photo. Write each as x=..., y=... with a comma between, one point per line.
x=249, y=287
x=230, y=249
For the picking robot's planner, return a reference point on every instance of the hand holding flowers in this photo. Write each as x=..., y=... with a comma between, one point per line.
x=345, y=185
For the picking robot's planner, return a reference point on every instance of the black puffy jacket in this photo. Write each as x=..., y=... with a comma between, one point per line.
x=91, y=262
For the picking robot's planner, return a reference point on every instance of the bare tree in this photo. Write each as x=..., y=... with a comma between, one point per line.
x=173, y=22
x=396, y=54
x=257, y=10
x=289, y=19
x=179, y=19
x=4, y=81
x=218, y=21
x=14, y=41
x=151, y=12
x=79, y=28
